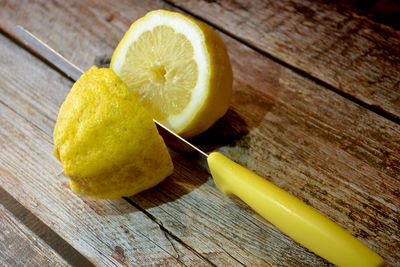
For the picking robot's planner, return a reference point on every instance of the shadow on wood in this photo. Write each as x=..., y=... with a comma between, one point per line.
x=230, y=130
x=227, y=130
x=186, y=178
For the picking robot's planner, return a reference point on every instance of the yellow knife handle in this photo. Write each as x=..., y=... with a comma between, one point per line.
x=292, y=216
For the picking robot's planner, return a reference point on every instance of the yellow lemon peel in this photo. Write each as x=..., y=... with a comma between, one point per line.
x=106, y=141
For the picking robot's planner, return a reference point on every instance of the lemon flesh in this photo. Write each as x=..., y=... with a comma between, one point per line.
x=106, y=141
x=178, y=68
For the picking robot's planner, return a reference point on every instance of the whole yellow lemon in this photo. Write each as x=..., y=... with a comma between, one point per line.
x=106, y=141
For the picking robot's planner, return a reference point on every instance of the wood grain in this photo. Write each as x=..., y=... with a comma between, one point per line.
x=21, y=247
x=107, y=232
x=337, y=156
x=196, y=205
x=354, y=55
x=41, y=231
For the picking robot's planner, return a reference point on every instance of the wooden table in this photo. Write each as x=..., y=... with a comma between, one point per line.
x=315, y=110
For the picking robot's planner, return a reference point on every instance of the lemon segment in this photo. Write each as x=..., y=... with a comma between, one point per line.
x=106, y=140
x=178, y=68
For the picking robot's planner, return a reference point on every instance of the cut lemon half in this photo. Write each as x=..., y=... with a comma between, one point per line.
x=179, y=69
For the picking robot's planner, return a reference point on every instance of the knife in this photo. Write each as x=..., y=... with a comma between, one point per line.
x=292, y=216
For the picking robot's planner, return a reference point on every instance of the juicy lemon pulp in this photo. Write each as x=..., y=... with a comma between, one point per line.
x=179, y=68
x=161, y=70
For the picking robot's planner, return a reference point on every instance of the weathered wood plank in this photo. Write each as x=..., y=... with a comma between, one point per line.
x=332, y=154
x=107, y=232
x=42, y=231
x=191, y=221
x=21, y=247
x=382, y=11
x=281, y=125
x=355, y=55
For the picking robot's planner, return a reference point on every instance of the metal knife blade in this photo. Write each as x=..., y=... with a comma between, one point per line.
x=173, y=140
x=39, y=47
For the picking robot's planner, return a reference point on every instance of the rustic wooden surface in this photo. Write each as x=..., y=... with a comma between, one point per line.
x=350, y=53
x=17, y=240
x=290, y=121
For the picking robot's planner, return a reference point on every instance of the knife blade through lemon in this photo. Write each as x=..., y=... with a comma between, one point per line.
x=178, y=68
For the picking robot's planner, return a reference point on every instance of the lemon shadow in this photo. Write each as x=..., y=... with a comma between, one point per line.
x=186, y=177
x=226, y=131
x=230, y=131
x=232, y=128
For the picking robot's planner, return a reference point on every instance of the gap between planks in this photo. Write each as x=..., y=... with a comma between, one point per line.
x=376, y=109
x=63, y=248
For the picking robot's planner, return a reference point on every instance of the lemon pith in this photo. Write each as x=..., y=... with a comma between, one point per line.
x=178, y=68
x=106, y=141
